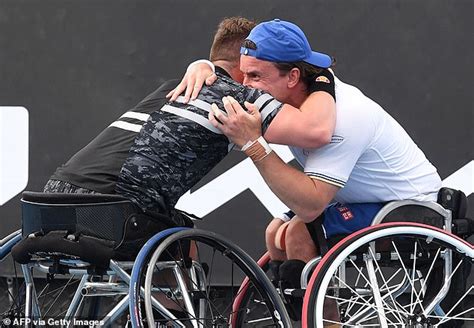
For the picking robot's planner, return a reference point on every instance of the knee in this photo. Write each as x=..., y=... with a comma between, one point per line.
x=296, y=229
x=272, y=229
x=298, y=239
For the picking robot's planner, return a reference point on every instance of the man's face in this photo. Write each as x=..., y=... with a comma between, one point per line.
x=261, y=74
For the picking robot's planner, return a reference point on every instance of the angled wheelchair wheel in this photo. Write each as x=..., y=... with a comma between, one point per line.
x=391, y=275
x=182, y=287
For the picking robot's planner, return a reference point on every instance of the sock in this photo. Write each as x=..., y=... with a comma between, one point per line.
x=290, y=272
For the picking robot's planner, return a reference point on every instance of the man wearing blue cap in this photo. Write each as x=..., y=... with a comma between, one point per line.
x=370, y=160
x=156, y=151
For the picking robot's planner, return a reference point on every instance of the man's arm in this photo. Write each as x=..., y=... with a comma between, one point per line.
x=306, y=197
x=311, y=126
x=291, y=126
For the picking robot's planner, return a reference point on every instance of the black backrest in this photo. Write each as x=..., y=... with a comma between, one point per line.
x=454, y=200
x=98, y=215
x=415, y=213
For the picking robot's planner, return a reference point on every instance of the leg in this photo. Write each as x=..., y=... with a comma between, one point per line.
x=299, y=249
x=277, y=256
x=299, y=244
x=270, y=236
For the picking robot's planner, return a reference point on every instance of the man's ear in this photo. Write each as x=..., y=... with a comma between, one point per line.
x=237, y=75
x=293, y=77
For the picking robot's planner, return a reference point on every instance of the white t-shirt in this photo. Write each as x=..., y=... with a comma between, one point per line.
x=371, y=157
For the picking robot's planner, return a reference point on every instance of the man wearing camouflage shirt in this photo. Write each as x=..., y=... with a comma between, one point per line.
x=158, y=150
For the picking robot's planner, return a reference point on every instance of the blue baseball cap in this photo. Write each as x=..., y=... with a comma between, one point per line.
x=282, y=41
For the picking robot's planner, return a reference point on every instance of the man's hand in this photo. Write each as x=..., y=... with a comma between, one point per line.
x=192, y=82
x=239, y=125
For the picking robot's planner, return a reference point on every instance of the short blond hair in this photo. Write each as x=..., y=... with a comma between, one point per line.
x=230, y=34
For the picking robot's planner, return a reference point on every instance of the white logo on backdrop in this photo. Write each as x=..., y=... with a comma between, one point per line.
x=13, y=152
x=462, y=179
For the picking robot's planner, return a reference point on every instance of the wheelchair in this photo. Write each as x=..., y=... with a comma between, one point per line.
x=408, y=269
x=119, y=267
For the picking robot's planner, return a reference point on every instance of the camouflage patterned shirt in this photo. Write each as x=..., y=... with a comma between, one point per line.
x=177, y=145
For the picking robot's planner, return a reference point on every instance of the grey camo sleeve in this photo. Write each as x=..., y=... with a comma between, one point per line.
x=267, y=105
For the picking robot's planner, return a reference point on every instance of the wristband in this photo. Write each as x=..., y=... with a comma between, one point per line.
x=257, y=149
x=211, y=65
x=261, y=140
x=247, y=145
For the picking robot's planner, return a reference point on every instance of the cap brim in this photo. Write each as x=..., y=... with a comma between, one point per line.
x=319, y=59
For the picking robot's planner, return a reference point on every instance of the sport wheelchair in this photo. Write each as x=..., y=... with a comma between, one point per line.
x=408, y=269
x=87, y=246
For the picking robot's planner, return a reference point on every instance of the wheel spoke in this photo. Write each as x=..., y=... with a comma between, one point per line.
x=407, y=275
x=366, y=303
x=389, y=293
